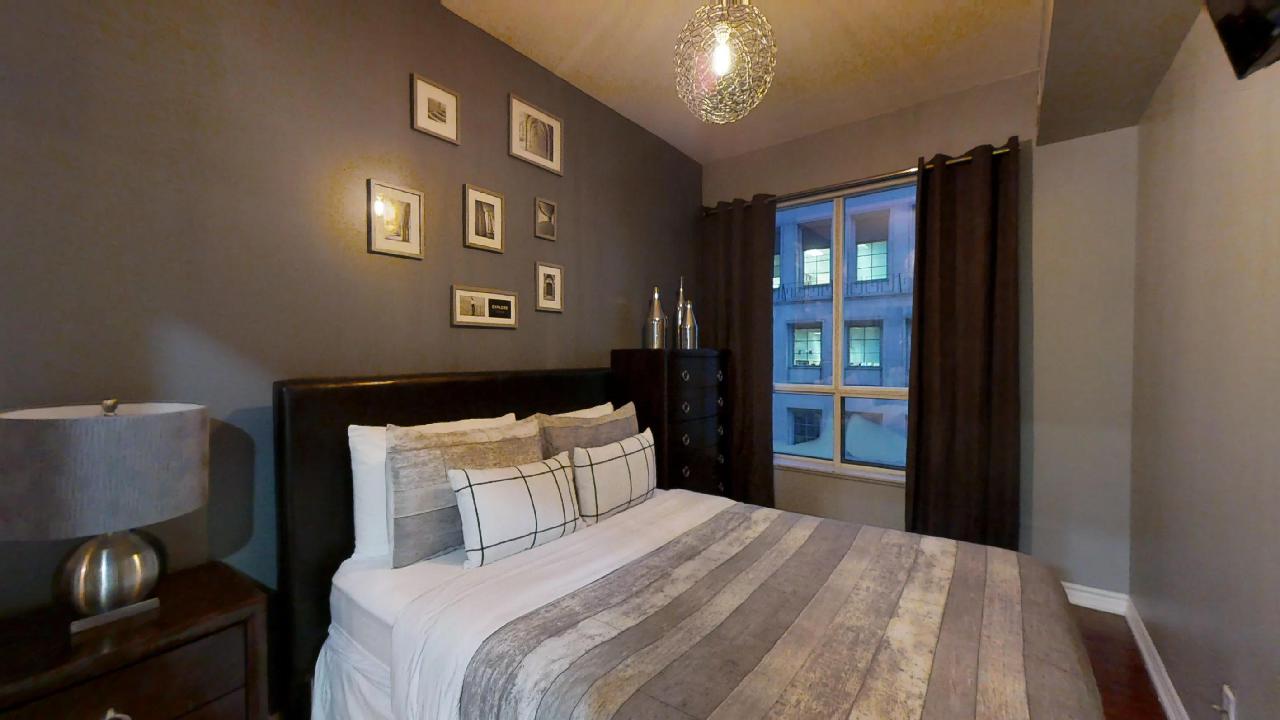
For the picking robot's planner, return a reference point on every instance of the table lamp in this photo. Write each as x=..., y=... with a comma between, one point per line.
x=89, y=470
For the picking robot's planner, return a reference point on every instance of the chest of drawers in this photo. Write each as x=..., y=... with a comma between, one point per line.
x=680, y=395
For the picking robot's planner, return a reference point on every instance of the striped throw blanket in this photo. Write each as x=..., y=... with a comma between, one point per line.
x=758, y=613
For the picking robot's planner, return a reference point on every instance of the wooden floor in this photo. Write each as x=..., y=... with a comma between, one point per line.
x=1117, y=665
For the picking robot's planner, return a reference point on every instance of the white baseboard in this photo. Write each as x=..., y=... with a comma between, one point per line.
x=1097, y=599
x=1119, y=604
x=1169, y=700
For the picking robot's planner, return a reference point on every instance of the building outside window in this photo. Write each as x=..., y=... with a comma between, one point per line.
x=816, y=253
x=806, y=425
x=806, y=345
x=864, y=343
x=853, y=255
x=777, y=260
x=873, y=260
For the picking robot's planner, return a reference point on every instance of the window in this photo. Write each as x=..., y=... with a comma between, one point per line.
x=777, y=259
x=806, y=425
x=840, y=401
x=815, y=243
x=864, y=343
x=806, y=345
x=873, y=260
x=906, y=339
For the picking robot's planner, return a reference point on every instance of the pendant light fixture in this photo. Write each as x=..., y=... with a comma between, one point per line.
x=724, y=60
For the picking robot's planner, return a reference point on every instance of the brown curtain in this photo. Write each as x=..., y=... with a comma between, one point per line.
x=962, y=445
x=736, y=271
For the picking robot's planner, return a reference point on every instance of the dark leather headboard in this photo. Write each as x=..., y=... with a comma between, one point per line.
x=313, y=476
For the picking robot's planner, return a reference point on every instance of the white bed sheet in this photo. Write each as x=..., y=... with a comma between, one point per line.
x=368, y=595
x=353, y=675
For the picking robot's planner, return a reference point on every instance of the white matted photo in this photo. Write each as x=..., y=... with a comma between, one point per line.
x=395, y=220
x=536, y=136
x=483, y=307
x=550, y=287
x=484, y=221
x=545, y=218
x=435, y=109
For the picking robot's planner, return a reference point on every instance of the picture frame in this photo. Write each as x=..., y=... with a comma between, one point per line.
x=434, y=109
x=549, y=287
x=395, y=220
x=536, y=136
x=546, y=219
x=484, y=220
x=483, y=307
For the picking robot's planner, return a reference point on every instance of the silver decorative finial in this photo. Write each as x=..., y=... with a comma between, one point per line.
x=109, y=407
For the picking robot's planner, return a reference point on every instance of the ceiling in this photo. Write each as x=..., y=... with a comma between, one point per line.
x=838, y=61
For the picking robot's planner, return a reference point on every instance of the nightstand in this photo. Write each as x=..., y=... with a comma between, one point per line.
x=201, y=656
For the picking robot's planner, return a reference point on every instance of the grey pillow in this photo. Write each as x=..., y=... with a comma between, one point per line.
x=422, y=506
x=563, y=434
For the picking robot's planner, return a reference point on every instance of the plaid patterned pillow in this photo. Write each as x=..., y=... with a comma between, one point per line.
x=506, y=511
x=614, y=477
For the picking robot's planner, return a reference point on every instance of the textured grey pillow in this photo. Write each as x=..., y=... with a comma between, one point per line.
x=422, y=506
x=563, y=434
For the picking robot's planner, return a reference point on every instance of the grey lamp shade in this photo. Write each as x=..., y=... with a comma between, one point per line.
x=73, y=471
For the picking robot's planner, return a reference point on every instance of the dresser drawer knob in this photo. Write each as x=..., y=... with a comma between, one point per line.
x=685, y=439
x=111, y=714
x=719, y=375
x=720, y=459
x=685, y=471
x=720, y=430
x=684, y=375
x=720, y=401
x=720, y=486
x=685, y=407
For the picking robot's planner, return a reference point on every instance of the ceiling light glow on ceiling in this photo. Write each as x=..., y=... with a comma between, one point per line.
x=724, y=60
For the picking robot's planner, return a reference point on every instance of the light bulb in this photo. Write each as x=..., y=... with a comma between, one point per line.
x=721, y=58
x=379, y=207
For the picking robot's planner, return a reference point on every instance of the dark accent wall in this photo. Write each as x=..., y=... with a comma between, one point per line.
x=182, y=217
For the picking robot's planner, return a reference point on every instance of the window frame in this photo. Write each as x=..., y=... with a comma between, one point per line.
x=879, y=340
x=807, y=325
x=798, y=414
x=836, y=391
x=857, y=258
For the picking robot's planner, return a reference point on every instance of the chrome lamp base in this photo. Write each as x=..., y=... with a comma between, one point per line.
x=110, y=577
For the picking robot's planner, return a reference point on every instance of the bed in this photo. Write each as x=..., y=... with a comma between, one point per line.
x=685, y=606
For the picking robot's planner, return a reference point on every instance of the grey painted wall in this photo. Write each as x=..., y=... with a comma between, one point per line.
x=182, y=217
x=1085, y=201
x=1206, y=461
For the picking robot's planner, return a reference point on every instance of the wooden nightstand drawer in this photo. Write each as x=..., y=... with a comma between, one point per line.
x=162, y=687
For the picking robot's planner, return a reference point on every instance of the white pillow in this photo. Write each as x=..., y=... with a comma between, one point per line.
x=614, y=477
x=506, y=511
x=592, y=412
x=369, y=479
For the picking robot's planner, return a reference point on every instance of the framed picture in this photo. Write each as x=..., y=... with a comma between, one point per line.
x=484, y=307
x=395, y=220
x=550, y=287
x=544, y=219
x=484, y=222
x=536, y=136
x=435, y=109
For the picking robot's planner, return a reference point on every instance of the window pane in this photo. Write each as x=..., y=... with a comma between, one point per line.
x=802, y=309
x=864, y=344
x=875, y=432
x=802, y=425
x=879, y=232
